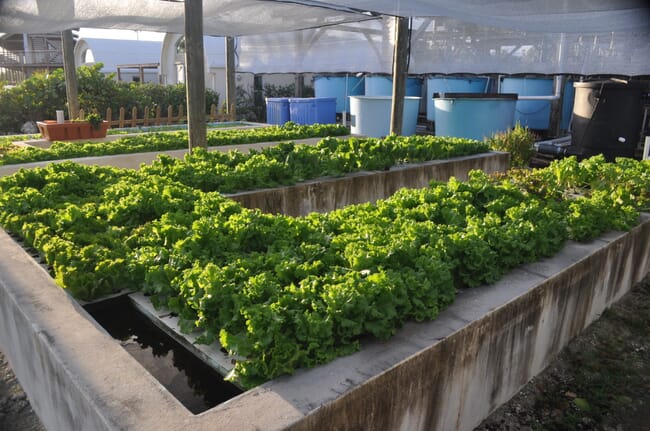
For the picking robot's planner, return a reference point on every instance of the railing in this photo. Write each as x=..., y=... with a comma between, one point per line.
x=34, y=57
x=157, y=119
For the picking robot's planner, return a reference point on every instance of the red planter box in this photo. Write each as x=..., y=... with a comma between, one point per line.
x=70, y=130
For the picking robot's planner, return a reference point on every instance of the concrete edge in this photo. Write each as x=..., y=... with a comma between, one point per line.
x=445, y=374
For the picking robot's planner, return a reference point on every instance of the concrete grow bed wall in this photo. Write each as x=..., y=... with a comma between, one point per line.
x=446, y=374
x=327, y=194
x=321, y=194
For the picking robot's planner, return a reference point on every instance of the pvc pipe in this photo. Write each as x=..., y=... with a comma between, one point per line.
x=549, y=97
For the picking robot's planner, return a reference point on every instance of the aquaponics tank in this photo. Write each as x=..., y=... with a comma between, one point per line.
x=340, y=87
x=474, y=116
x=452, y=84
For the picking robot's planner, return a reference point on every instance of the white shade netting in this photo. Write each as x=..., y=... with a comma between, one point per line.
x=355, y=47
x=447, y=45
x=444, y=45
x=448, y=36
x=220, y=17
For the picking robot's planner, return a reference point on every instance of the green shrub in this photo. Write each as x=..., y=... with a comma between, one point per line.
x=38, y=97
x=518, y=142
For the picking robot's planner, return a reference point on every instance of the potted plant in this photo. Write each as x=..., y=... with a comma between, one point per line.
x=98, y=126
x=91, y=127
x=95, y=120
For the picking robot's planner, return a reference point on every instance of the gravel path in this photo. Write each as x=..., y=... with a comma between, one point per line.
x=16, y=413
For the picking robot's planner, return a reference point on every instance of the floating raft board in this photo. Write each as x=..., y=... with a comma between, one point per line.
x=211, y=354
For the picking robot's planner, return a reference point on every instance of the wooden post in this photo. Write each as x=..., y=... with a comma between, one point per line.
x=109, y=117
x=195, y=74
x=258, y=90
x=181, y=114
x=299, y=85
x=231, y=84
x=70, y=72
x=400, y=71
x=213, y=112
x=170, y=114
x=158, y=121
x=556, y=106
x=146, y=116
x=122, y=115
x=134, y=116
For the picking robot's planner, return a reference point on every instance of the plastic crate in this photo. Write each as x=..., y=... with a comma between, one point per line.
x=311, y=110
x=277, y=110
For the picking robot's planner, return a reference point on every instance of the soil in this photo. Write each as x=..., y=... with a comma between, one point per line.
x=600, y=381
x=16, y=413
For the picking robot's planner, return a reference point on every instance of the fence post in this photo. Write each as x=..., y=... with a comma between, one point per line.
x=180, y=114
x=134, y=117
x=170, y=113
x=122, y=114
x=146, y=116
x=213, y=112
x=157, y=122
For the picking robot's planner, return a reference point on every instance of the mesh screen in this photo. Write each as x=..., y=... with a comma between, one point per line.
x=448, y=36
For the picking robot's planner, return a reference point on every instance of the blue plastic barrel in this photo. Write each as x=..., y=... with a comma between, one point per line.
x=379, y=85
x=277, y=110
x=312, y=110
x=474, y=116
x=452, y=84
x=532, y=113
x=370, y=115
x=340, y=87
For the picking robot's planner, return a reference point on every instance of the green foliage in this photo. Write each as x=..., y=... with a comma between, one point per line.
x=94, y=119
x=518, y=142
x=282, y=293
x=288, y=163
x=38, y=97
x=163, y=142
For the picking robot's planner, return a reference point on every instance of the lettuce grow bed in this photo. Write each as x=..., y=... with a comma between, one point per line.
x=282, y=293
x=147, y=142
x=585, y=199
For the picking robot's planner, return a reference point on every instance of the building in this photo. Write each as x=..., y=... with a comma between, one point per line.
x=129, y=60
x=23, y=54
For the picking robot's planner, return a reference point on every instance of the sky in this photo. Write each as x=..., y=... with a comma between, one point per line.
x=101, y=33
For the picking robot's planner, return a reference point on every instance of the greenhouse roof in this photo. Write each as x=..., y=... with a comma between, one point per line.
x=448, y=36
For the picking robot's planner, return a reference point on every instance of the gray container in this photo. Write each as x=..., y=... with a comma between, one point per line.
x=607, y=118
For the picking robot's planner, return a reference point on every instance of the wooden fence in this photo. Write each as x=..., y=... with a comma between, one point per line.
x=157, y=119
